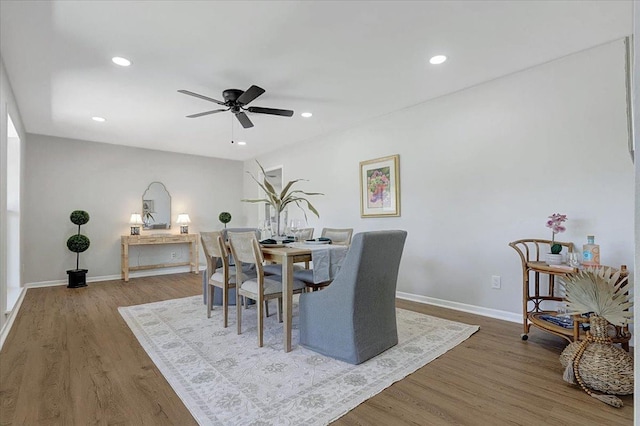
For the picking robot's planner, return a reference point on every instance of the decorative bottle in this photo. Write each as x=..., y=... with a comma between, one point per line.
x=591, y=252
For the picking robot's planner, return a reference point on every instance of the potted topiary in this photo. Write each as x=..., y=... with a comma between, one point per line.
x=225, y=217
x=77, y=244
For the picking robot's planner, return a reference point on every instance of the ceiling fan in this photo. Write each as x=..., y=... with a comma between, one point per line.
x=236, y=100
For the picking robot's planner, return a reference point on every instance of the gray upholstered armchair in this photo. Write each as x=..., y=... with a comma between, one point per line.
x=354, y=319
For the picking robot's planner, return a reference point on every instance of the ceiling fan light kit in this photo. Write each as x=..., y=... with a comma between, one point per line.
x=236, y=100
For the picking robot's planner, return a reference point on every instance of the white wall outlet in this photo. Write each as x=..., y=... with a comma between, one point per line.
x=174, y=254
x=495, y=281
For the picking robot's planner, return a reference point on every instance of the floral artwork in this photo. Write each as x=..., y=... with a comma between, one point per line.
x=379, y=187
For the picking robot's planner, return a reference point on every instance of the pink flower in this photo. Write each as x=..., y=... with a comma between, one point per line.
x=555, y=223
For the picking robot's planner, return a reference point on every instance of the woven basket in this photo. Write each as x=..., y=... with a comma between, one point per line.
x=598, y=365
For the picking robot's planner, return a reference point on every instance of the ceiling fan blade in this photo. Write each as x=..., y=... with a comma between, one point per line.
x=206, y=98
x=272, y=111
x=200, y=114
x=244, y=120
x=251, y=93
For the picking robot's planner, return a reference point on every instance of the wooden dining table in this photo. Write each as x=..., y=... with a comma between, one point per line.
x=287, y=256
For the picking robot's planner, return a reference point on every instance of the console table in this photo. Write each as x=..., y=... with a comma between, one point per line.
x=142, y=240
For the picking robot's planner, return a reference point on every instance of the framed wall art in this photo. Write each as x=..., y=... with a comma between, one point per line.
x=380, y=187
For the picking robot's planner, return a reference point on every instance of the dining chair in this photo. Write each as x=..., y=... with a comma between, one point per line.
x=305, y=233
x=338, y=236
x=219, y=273
x=246, y=250
x=354, y=319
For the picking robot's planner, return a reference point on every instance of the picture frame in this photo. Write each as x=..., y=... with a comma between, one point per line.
x=380, y=187
x=148, y=206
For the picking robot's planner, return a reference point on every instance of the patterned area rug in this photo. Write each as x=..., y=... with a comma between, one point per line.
x=226, y=379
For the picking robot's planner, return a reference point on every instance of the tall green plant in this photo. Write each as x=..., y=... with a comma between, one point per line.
x=280, y=201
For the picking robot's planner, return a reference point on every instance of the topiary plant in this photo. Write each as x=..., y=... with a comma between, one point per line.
x=225, y=217
x=78, y=243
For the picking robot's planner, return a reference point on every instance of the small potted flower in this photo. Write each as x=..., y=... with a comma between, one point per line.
x=555, y=222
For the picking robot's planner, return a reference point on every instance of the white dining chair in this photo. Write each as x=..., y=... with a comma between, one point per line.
x=246, y=250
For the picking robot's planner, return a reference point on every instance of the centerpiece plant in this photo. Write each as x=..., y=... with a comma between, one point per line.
x=279, y=201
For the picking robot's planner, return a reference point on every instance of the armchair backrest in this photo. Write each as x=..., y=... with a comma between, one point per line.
x=215, y=251
x=338, y=236
x=245, y=249
x=306, y=233
x=225, y=237
x=225, y=232
x=370, y=273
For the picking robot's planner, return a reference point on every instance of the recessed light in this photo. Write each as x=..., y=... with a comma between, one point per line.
x=123, y=62
x=242, y=143
x=306, y=114
x=438, y=59
x=99, y=119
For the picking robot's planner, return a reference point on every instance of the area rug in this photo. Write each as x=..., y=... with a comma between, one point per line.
x=225, y=379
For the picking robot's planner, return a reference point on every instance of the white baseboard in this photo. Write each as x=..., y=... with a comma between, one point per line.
x=134, y=274
x=11, y=318
x=472, y=309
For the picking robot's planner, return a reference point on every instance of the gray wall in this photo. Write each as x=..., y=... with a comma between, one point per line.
x=108, y=181
x=483, y=167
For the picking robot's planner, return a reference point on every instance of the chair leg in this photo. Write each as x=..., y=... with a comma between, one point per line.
x=279, y=309
x=259, y=306
x=225, y=305
x=238, y=311
x=266, y=308
x=246, y=303
x=209, y=299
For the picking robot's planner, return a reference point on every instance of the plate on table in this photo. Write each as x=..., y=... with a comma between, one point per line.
x=317, y=242
x=276, y=245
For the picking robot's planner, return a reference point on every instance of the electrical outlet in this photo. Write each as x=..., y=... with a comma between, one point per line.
x=495, y=281
x=174, y=254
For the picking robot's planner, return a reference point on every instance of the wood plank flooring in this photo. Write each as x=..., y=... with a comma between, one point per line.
x=70, y=359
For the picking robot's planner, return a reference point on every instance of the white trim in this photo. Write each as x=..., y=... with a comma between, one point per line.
x=478, y=310
x=136, y=274
x=12, y=316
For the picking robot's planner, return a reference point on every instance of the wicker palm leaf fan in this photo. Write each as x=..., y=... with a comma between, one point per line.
x=595, y=363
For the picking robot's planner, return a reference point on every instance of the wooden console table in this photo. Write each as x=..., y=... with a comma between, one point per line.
x=140, y=240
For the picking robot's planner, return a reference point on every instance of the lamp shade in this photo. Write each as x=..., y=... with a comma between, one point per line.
x=183, y=219
x=136, y=219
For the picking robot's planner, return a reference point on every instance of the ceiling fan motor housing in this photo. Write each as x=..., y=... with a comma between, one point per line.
x=231, y=95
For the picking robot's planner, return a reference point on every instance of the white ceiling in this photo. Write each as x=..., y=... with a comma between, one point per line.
x=347, y=62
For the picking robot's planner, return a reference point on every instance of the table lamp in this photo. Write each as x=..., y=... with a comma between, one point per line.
x=135, y=221
x=183, y=221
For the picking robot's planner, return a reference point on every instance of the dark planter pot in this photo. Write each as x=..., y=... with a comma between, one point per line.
x=77, y=278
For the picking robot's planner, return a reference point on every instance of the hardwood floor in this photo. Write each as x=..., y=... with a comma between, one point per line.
x=70, y=359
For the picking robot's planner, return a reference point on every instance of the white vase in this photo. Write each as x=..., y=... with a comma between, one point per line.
x=553, y=259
